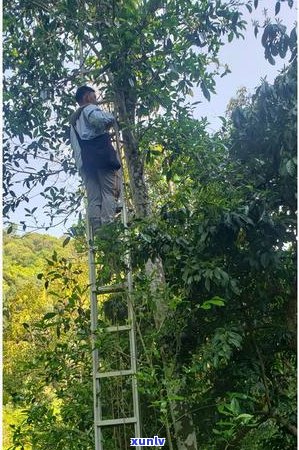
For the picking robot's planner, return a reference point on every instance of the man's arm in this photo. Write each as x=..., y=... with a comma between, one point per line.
x=76, y=148
x=98, y=118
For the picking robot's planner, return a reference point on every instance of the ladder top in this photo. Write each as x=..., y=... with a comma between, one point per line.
x=113, y=288
x=116, y=328
x=115, y=373
x=111, y=422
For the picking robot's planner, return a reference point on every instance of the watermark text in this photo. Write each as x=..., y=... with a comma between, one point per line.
x=147, y=442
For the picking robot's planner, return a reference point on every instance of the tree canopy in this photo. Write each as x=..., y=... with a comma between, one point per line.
x=217, y=370
x=225, y=233
x=145, y=57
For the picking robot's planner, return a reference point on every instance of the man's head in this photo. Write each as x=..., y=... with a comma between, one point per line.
x=85, y=95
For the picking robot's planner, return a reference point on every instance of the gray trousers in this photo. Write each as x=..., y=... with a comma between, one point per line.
x=103, y=190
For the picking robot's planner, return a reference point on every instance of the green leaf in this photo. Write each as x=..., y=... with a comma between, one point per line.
x=66, y=241
x=245, y=416
x=234, y=406
x=50, y=263
x=277, y=8
x=217, y=301
x=293, y=36
x=49, y=315
x=271, y=60
x=6, y=209
x=205, y=305
x=290, y=167
x=9, y=229
x=205, y=91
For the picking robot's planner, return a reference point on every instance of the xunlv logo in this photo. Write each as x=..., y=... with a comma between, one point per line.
x=147, y=442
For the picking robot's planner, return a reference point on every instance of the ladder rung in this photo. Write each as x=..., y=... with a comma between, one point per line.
x=110, y=289
x=109, y=422
x=115, y=373
x=116, y=328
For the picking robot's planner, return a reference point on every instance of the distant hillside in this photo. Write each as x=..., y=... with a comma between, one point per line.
x=25, y=300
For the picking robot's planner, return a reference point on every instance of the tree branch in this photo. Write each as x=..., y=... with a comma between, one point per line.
x=264, y=378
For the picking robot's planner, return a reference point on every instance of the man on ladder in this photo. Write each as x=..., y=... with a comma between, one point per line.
x=95, y=157
x=98, y=165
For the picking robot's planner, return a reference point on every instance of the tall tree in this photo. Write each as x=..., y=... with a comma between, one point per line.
x=225, y=233
x=145, y=56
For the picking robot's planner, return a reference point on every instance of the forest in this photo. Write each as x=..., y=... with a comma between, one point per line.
x=212, y=228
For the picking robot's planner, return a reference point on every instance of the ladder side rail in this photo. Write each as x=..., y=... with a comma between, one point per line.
x=131, y=316
x=94, y=324
x=94, y=291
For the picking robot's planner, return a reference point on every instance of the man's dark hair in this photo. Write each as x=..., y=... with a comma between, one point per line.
x=81, y=91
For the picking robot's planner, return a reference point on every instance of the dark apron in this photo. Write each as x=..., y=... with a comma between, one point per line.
x=98, y=153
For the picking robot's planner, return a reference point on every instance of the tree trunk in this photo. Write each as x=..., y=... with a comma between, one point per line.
x=135, y=167
x=183, y=425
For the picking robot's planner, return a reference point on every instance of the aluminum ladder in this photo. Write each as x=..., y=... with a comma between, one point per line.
x=95, y=292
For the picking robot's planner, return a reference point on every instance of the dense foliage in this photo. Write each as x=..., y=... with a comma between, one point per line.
x=26, y=301
x=226, y=235
x=221, y=219
x=145, y=55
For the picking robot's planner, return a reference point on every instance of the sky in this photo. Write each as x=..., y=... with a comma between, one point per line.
x=248, y=66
